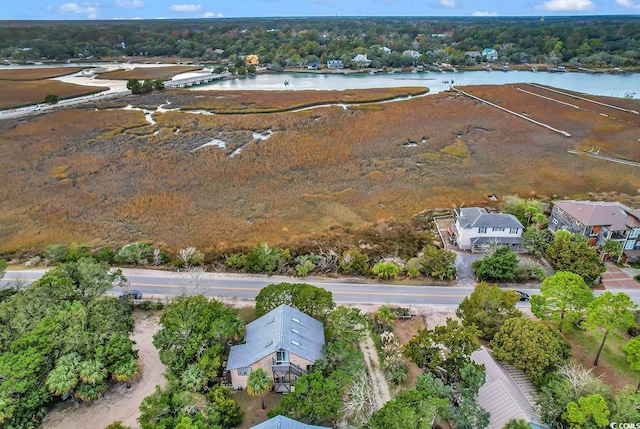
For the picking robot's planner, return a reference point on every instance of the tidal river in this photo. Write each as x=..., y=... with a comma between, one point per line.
x=611, y=85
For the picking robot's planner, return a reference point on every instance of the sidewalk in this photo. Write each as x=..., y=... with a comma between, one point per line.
x=615, y=278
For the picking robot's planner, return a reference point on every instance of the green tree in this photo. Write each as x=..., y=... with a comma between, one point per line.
x=447, y=347
x=345, y=323
x=563, y=297
x=517, y=424
x=259, y=384
x=529, y=212
x=487, y=308
x=311, y=300
x=56, y=253
x=590, y=411
x=51, y=99
x=264, y=259
x=612, y=313
x=316, y=399
x=411, y=409
x=632, y=350
x=134, y=86
x=572, y=253
x=135, y=253
x=498, y=267
x=531, y=347
x=611, y=249
x=3, y=268
x=439, y=263
x=195, y=330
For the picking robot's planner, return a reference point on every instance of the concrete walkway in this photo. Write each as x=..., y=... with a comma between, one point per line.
x=615, y=278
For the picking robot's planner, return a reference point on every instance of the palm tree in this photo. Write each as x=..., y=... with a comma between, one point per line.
x=92, y=371
x=259, y=384
x=64, y=377
x=127, y=371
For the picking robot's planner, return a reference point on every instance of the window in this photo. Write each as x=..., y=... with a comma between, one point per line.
x=635, y=232
x=513, y=230
x=499, y=229
x=629, y=245
x=554, y=221
x=482, y=230
x=282, y=356
x=246, y=370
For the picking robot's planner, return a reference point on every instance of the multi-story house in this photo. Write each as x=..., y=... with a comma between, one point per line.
x=474, y=229
x=600, y=221
x=284, y=342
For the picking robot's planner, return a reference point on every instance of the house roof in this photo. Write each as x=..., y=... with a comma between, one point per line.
x=283, y=328
x=475, y=217
x=281, y=422
x=506, y=393
x=615, y=216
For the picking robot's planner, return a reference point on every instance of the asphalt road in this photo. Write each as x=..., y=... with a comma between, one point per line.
x=159, y=284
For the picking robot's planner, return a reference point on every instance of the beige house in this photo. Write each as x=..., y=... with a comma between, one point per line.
x=252, y=60
x=284, y=342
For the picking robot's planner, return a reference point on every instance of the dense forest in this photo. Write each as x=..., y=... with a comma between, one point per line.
x=288, y=42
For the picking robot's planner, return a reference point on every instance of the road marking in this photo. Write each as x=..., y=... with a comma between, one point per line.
x=338, y=292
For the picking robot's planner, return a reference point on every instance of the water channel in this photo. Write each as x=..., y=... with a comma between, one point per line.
x=610, y=85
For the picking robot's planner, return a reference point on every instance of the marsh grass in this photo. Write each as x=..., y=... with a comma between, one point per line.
x=325, y=179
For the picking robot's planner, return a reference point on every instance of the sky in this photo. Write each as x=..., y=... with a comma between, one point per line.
x=176, y=9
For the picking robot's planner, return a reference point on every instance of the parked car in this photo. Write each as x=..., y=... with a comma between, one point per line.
x=523, y=296
x=133, y=294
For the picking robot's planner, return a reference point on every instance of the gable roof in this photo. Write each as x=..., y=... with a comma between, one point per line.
x=282, y=422
x=615, y=216
x=283, y=328
x=506, y=393
x=475, y=217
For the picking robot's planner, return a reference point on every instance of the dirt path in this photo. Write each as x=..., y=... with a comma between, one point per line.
x=119, y=403
x=381, y=393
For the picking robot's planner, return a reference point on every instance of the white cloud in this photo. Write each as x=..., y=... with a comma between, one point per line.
x=88, y=9
x=628, y=3
x=185, y=8
x=566, y=5
x=212, y=15
x=130, y=4
x=479, y=13
x=448, y=3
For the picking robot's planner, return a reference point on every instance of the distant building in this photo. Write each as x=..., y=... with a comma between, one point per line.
x=313, y=65
x=473, y=54
x=252, y=60
x=361, y=60
x=599, y=221
x=413, y=54
x=490, y=54
x=474, y=229
x=386, y=50
x=335, y=65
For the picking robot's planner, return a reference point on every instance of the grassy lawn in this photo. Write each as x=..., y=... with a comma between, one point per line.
x=612, y=367
x=252, y=407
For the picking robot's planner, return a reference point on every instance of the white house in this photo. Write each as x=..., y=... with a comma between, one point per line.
x=474, y=228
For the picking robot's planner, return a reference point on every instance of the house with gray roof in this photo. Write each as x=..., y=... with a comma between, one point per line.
x=506, y=394
x=282, y=422
x=599, y=221
x=284, y=342
x=474, y=229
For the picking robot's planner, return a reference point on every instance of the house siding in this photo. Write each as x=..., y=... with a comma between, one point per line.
x=240, y=381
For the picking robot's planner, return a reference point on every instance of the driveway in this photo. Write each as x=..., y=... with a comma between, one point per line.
x=615, y=278
x=463, y=264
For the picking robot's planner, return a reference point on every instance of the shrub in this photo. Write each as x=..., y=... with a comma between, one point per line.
x=56, y=253
x=353, y=261
x=135, y=253
x=235, y=261
x=386, y=270
x=104, y=255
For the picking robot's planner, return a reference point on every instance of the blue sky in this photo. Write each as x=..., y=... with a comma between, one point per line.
x=152, y=9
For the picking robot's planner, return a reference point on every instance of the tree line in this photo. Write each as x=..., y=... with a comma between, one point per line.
x=282, y=42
